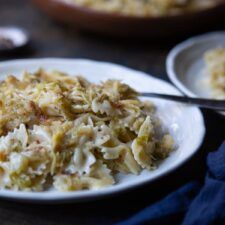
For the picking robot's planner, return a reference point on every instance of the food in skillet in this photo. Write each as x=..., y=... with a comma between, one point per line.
x=215, y=65
x=152, y=8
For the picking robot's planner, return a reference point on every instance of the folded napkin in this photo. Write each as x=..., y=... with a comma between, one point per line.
x=191, y=204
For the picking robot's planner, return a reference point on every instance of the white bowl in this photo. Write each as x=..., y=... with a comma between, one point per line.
x=184, y=122
x=185, y=64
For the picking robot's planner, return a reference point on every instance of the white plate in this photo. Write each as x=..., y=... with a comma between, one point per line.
x=184, y=122
x=185, y=64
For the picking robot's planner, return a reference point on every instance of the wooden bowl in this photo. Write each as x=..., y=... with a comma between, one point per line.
x=130, y=26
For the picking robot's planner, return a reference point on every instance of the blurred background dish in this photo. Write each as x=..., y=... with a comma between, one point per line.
x=12, y=38
x=192, y=76
x=144, y=8
x=162, y=23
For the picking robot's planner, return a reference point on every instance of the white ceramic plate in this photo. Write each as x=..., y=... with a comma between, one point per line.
x=178, y=118
x=185, y=64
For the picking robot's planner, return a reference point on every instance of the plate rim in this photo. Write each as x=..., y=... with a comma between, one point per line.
x=87, y=195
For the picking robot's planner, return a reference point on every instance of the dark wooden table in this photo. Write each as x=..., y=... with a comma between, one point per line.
x=49, y=39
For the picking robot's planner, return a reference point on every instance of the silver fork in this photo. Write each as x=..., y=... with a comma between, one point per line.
x=200, y=102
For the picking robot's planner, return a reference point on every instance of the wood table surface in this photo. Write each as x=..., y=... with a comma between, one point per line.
x=49, y=39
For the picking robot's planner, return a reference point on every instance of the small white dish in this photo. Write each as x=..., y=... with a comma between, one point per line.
x=15, y=36
x=179, y=119
x=185, y=64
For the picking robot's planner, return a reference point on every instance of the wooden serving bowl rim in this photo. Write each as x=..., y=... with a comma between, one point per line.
x=118, y=16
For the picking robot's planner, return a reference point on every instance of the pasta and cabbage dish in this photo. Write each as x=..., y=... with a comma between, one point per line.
x=215, y=65
x=65, y=133
x=145, y=7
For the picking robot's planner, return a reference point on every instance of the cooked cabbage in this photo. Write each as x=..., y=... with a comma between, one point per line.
x=64, y=132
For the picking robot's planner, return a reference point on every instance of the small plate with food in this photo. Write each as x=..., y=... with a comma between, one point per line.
x=197, y=66
x=76, y=130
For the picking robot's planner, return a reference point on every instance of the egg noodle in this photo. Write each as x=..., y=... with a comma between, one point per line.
x=62, y=132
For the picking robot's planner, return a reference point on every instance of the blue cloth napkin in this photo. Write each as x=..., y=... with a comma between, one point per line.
x=191, y=204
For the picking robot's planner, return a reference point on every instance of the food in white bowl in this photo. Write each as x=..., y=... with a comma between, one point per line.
x=215, y=68
x=199, y=74
x=66, y=133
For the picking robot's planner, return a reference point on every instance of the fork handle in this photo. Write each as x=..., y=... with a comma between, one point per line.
x=201, y=102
